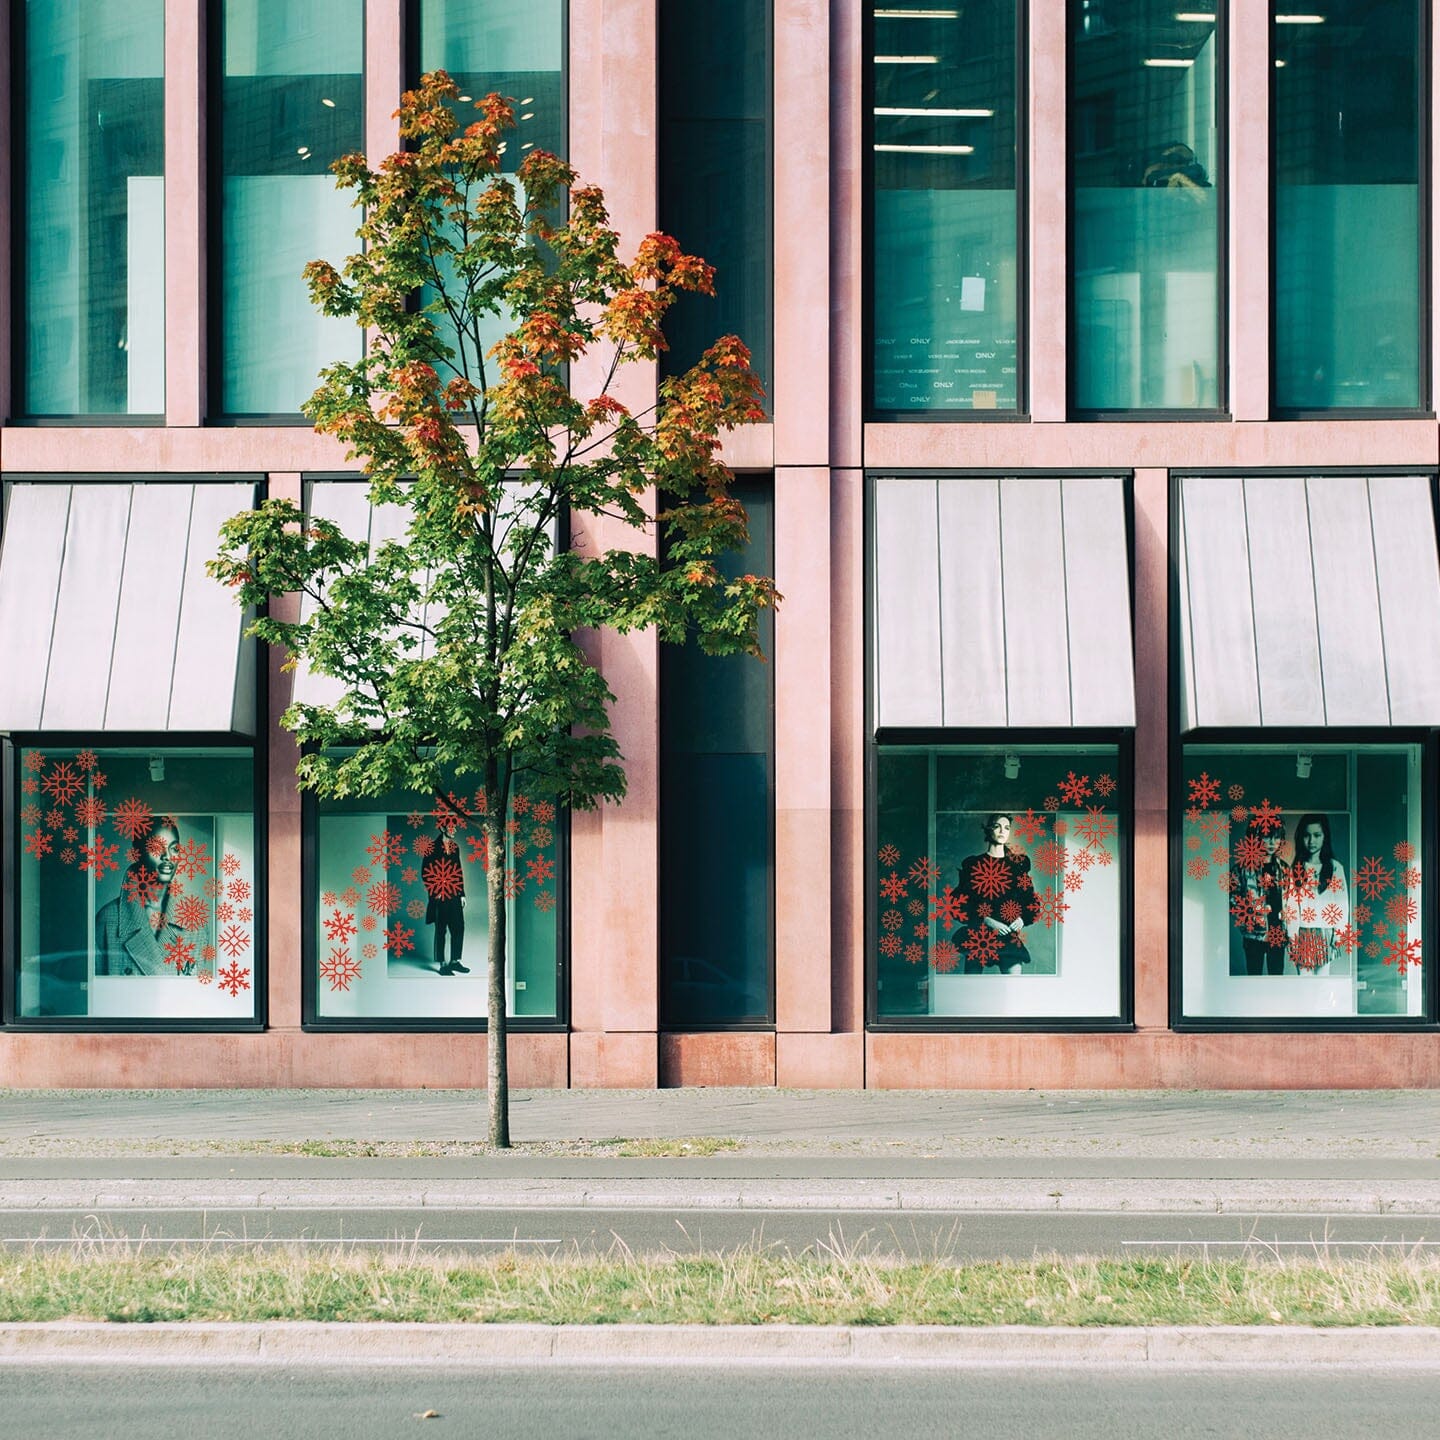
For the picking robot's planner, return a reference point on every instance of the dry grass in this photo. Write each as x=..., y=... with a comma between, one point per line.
x=840, y=1285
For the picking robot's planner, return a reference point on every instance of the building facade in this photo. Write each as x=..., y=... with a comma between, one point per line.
x=1097, y=741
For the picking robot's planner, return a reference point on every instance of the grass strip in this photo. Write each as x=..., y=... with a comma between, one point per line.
x=143, y=1283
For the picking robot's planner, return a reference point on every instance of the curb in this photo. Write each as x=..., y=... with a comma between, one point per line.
x=319, y=1344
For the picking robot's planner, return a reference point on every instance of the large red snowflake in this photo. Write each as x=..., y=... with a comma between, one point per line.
x=90, y=811
x=423, y=845
x=1402, y=953
x=62, y=784
x=192, y=857
x=945, y=956
x=1332, y=915
x=399, y=939
x=924, y=872
x=1309, y=951
x=233, y=979
x=1204, y=791
x=234, y=941
x=1215, y=826
x=1301, y=883
x=191, y=913
x=1266, y=817
x=982, y=945
x=479, y=847
x=890, y=945
x=948, y=908
x=339, y=925
x=443, y=878
x=1373, y=878
x=1075, y=788
x=1347, y=937
x=1198, y=868
x=1049, y=857
x=340, y=968
x=1399, y=909
x=1051, y=908
x=543, y=812
x=132, y=819
x=1248, y=911
x=540, y=868
x=99, y=857
x=386, y=849
x=38, y=843
x=1249, y=852
x=1027, y=826
x=179, y=952
x=892, y=887
x=383, y=897
x=990, y=876
x=238, y=889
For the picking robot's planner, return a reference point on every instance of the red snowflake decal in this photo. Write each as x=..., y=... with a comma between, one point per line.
x=443, y=878
x=946, y=956
x=1361, y=914
x=1194, y=842
x=1215, y=826
x=98, y=780
x=1075, y=788
x=62, y=784
x=924, y=873
x=409, y=876
x=1205, y=791
x=545, y=900
x=540, y=869
x=213, y=886
x=1372, y=878
x=889, y=856
x=1412, y=877
x=132, y=819
x=543, y=813
x=982, y=945
x=424, y=845
x=399, y=939
x=1219, y=855
x=90, y=811
x=1309, y=952
x=1009, y=912
x=233, y=979
x=948, y=908
x=360, y=875
x=29, y=786
x=34, y=761
x=1082, y=860
x=449, y=815
x=513, y=884
x=890, y=945
x=415, y=909
x=1095, y=827
x=30, y=814
x=54, y=819
x=369, y=951
x=990, y=876
x=1198, y=868
x=349, y=897
x=1301, y=883
x=891, y=920
x=1404, y=852
x=1239, y=814
x=479, y=847
x=915, y=906
x=1399, y=909
x=192, y=913
x=192, y=857
x=1332, y=915
x=892, y=887
x=1276, y=938
x=1049, y=857
x=179, y=952
x=1052, y=908
x=67, y=857
x=1236, y=792
x=1027, y=826
x=541, y=835
x=1104, y=784
x=234, y=941
x=915, y=952
x=99, y=857
x=224, y=912
x=386, y=849
x=204, y=977
x=340, y=969
x=38, y=843
x=244, y=915
x=415, y=819
x=1347, y=937
x=1266, y=817
x=238, y=890
x=367, y=922
x=521, y=804
x=230, y=864
x=383, y=897
x=1249, y=852
x=1051, y=802
x=87, y=760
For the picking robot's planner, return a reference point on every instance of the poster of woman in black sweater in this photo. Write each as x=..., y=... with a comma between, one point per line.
x=1001, y=903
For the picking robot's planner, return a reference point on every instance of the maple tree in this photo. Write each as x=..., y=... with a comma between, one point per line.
x=456, y=644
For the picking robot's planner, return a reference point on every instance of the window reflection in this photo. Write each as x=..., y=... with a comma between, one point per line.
x=1144, y=164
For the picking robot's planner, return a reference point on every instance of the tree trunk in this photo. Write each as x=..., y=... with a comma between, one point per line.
x=497, y=1071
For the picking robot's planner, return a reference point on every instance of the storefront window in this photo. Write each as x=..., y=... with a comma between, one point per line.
x=998, y=881
x=945, y=247
x=1301, y=897
x=400, y=909
x=137, y=884
x=1346, y=107
x=1144, y=167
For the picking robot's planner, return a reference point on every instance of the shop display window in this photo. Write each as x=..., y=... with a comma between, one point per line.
x=137, y=891
x=998, y=881
x=399, y=913
x=1301, y=889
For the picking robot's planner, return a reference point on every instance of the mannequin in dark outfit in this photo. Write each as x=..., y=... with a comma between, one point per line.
x=448, y=914
x=1005, y=912
x=1260, y=928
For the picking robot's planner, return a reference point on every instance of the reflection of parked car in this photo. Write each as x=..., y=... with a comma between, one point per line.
x=54, y=984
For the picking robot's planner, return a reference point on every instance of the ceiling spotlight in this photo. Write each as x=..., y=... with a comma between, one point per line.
x=1012, y=766
x=1303, y=762
x=327, y=102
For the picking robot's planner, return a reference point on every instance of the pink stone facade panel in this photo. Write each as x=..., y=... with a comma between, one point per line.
x=719, y=1058
x=820, y=1062
x=1047, y=147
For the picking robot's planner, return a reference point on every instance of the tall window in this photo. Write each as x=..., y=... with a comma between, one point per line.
x=997, y=882
x=1345, y=106
x=716, y=808
x=945, y=269
x=92, y=232
x=291, y=101
x=1302, y=891
x=715, y=171
x=1145, y=202
x=138, y=893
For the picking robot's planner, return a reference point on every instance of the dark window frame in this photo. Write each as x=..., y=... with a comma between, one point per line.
x=1425, y=409
x=1220, y=411
x=871, y=412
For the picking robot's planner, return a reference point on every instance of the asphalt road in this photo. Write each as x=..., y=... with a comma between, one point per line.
x=915, y=1234
x=41, y=1402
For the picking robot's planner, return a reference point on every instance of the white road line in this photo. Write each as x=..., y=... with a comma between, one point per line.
x=412, y=1240
x=1261, y=1242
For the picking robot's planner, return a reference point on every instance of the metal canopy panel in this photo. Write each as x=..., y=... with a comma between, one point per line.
x=1002, y=603
x=1309, y=602
x=108, y=621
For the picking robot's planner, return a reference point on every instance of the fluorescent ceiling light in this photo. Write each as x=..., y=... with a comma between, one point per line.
x=907, y=59
x=1299, y=19
x=1164, y=64
x=1198, y=17
x=1279, y=64
x=941, y=114
x=928, y=149
x=917, y=14
x=328, y=102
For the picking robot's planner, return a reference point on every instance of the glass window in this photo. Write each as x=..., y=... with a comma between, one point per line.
x=945, y=246
x=1145, y=204
x=1345, y=107
x=517, y=49
x=715, y=148
x=716, y=783
x=138, y=887
x=400, y=908
x=997, y=881
x=292, y=100
x=93, y=228
x=1301, y=897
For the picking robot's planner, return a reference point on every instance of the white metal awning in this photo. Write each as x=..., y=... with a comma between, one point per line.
x=1001, y=603
x=108, y=621
x=1308, y=601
